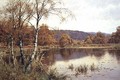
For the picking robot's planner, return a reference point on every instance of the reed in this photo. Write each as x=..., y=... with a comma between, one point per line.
x=83, y=69
x=54, y=75
x=71, y=67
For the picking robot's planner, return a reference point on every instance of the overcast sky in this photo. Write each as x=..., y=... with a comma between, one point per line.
x=91, y=16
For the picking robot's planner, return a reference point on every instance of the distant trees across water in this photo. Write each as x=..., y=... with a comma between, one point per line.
x=99, y=38
x=47, y=37
x=115, y=36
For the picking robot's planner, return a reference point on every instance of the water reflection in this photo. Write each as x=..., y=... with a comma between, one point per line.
x=108, y=62
x=115, y=53
x=66, y=53
x=69, y=54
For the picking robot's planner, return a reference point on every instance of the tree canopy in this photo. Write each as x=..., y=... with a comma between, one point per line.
x=115, y=37
x=65, y=40
x=46, y=36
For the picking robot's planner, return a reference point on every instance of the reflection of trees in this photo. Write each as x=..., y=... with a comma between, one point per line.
x=66, y=53
x=98, y=53
x=79, y=53
x=49, y=57
x=115, y=53
x=95, y=52
x=72, y=53
x=88, y=51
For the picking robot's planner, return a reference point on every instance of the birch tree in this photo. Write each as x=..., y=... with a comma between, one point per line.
x=19, y=12
x=43, y=9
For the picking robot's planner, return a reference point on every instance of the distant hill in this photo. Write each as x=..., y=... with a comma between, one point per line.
x=76, y=35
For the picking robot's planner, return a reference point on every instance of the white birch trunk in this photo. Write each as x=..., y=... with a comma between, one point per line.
x=21, y=52
x=12, y=51
x=35, y=44
x=27, y=67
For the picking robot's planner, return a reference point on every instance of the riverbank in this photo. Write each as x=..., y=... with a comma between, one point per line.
x=86, y=46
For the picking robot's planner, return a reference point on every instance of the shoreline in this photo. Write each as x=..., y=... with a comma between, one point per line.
x=92, y=46
x=87, y=46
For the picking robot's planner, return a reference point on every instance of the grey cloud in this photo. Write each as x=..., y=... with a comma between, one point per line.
x=113, y=13
x=103, y=3
x=108, y=12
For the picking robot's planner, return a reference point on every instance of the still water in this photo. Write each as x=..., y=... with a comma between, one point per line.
x=95, y=64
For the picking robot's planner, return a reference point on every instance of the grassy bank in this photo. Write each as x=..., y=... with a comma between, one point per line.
x=83, y=46
x=95, y=46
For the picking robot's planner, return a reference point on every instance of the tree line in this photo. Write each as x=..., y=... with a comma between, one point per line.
x=47, y=36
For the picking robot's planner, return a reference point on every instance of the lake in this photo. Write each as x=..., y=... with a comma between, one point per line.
x=85, y=64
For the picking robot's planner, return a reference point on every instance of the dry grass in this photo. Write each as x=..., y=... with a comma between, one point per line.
x=83, y=69
x=54, y=75
x=10, y=72
x=71, y=67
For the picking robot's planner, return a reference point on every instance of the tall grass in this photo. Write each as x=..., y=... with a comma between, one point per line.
x=83, y=69
x=54, y=75
x=9, y=72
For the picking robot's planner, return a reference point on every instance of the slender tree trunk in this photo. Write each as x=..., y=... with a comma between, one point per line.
x=35, y=44
x=34, y=51
x=21, y=50
x=36, y=38
x=11, y=49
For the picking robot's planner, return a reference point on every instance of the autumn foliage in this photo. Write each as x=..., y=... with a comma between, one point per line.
x=65, y=40
x=115, y=37
x=99, y=38
x=46, y=36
